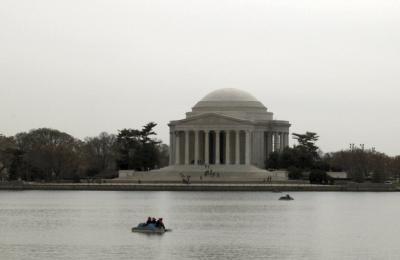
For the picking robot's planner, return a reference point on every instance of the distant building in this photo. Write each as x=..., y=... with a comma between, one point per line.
x=339, y=177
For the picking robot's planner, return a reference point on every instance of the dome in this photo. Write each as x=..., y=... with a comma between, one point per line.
x=229, y=99
x=231, y=102
x=229, y=94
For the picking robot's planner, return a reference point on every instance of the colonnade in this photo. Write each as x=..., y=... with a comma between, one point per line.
x=220, y=147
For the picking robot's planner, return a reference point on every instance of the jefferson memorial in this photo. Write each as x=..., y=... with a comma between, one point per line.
x=228, y=131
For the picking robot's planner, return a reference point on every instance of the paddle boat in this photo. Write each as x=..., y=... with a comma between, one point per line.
x=149, y=228
x=287, y=197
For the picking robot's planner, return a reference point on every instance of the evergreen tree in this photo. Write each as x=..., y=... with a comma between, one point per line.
x=137, y=149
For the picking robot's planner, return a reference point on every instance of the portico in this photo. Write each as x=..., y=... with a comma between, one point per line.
x=221, y=146
x=211, y=146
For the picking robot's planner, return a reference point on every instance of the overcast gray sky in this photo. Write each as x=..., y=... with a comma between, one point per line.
x=85, y=66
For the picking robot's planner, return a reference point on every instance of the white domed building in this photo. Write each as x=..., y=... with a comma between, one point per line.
x=229, y=132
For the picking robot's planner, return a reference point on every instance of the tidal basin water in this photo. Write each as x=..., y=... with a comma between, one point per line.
x=206, y=225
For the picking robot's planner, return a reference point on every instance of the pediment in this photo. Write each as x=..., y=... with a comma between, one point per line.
x=212, y=119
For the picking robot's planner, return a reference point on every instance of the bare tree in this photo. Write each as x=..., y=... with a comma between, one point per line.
x=99, y=154
x=49, y=154
x=362, y=164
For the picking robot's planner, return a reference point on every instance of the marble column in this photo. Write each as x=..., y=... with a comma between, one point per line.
x=206, y=147
x=270, y=140
x=171, y=148
x=196, y=147
x=237, y=148
x=227, y=147
x=177, y=148
x=248, y=147
x=187, y=147
x=276, y=142
x=282, y=144
x=287, y=140
x=217, y=150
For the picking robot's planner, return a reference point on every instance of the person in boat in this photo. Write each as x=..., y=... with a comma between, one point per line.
x=160, y=223
x=153, y=221
x=148, y=221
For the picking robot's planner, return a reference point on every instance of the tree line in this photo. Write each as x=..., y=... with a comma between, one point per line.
x=46, y=154
x=306, y=161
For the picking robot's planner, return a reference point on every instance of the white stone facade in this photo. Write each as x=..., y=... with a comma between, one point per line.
x=228, y=127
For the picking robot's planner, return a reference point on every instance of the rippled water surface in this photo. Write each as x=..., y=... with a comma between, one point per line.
x=213, y=225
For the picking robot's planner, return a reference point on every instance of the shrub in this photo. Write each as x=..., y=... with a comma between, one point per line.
x=318, y=177
x=295, y=173
x=76, y=178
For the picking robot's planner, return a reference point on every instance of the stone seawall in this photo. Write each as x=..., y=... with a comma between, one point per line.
x=197, y=187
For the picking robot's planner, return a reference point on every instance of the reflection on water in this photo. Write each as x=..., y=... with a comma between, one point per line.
x=206, y=225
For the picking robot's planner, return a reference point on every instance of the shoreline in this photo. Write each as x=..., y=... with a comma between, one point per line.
x=226, y=187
